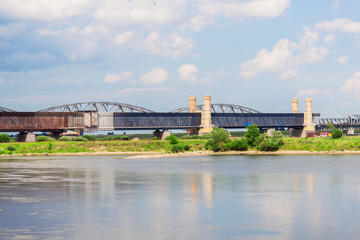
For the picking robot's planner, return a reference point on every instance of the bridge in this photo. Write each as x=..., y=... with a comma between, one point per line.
x=110, y=116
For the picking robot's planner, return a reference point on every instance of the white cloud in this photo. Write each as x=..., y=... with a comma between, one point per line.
x=43, y=9
x=329, y=39
x=120, y=77
x=188, y=72
x=339, y=24
x=335, y=5
x=124, y=38
x=343, y=60
x=1, y=80
x=285, y=58
x=171, y=45
x=155, y=76
x=351, y=86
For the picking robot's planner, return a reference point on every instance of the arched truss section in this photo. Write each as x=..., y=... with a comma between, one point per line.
x=3, y=109
x=220, y=108
x=97, y=107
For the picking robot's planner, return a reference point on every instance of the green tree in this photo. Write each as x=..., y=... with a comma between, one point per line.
x=252, y=134
x=173, y=139
x=336, y=133
x=218, y=139
x=4, y=138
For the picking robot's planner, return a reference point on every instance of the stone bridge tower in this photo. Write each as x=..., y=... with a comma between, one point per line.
x=206, y=125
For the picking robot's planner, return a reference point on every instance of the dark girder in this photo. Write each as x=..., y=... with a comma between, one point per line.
x=220, y=108
x=97, y=107
x=3, y=109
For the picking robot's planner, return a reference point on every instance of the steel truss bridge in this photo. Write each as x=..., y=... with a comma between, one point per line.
x=107, y=116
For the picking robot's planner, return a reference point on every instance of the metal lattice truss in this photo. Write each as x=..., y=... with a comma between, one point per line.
x=3, y=109
x=156, y=121
x=351, y=121
x=262, y=120
x=97, y=107
x=220, y=108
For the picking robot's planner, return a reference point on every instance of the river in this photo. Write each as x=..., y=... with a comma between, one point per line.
x=203, y=197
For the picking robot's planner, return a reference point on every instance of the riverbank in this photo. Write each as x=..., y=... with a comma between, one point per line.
x=156, y=148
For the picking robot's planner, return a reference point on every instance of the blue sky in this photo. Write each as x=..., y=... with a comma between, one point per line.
x=155, y=53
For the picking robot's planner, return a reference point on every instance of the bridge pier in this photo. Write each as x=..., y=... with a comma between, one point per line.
x=192, y=109
x=309, y=126
x=25, y=137
x=206, y=125
x=161, y=135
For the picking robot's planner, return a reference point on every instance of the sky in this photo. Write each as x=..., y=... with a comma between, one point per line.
x=156, y=53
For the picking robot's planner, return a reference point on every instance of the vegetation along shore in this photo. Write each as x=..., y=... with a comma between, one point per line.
x=218, y=141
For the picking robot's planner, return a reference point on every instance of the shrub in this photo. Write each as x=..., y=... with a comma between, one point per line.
x=219, y=140
x=186, y=147
x=89, y=137
x=4, y=138
x=239, y=145
x=269, y=144
x=1, y=152
x=107, y=138
x=252, y=134
x=117, y=138
x=156, y=138
x=206, y=136
x=79, y=139
x=336, y=133
x=44, y=139
x=176, y=148
x=11, y=148
x=64, y=139
x=50, y=146
x=173, y=139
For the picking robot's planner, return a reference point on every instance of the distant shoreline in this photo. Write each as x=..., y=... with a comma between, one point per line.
x=149, y=155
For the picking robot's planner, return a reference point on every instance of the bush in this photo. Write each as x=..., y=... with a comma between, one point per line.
x=269, y=144
x=206, y=136
x=117, y=138
x=11, y=148
x=186, y=147
x=219, y=140
x=89, y=137
x=336, y=133
x=44, y=139
x=50, y=146
x=108, y=138
x=64, y=139
x=79, y=139
x=156, y=138
x=173, y=139
x=4, y=138
x=176, y=148
x=239, y=145
x=252, y=134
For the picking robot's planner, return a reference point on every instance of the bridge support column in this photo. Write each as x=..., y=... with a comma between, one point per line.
x=25, y=137
x=309, y=126
x=161, y=135
x=295, y=109
x=351, y=131
x=192, y=109
x=206, y=126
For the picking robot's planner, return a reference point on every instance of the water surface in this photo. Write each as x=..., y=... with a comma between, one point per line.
x=206, y=197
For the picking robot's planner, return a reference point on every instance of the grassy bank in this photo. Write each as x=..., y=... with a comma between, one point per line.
x=95, y=147
x=290, y=144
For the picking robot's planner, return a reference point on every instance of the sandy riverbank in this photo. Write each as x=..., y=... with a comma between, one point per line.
x=149, y=155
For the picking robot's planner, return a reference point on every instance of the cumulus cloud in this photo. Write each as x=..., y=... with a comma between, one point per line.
x=124, y=38
x=42, y=9
x=155, y=76
x=352, y=86
x=188, y=72
x=343, y=60
x=339, y=24
x=120, y=77
x=285, y=58
x=170, y=45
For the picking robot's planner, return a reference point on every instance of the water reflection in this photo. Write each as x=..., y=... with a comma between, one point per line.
x=232, y=197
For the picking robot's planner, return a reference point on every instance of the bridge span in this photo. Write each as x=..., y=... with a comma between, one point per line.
x=109, y=116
